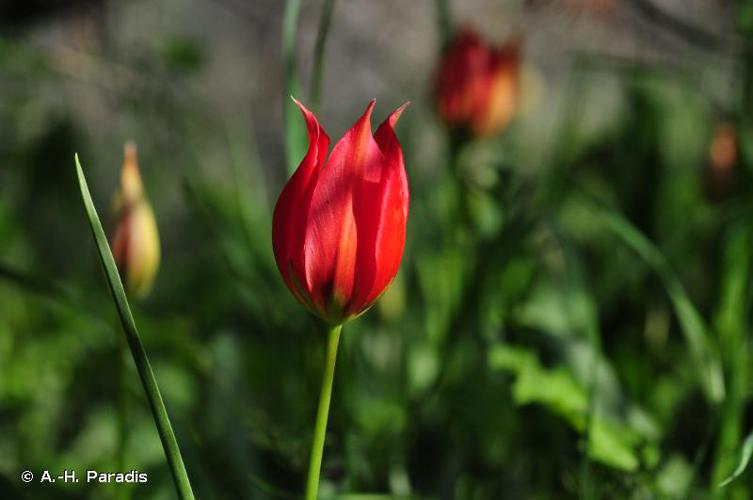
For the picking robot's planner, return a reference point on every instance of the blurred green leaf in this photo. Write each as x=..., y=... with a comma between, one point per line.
x=746, y=452
x=610, y=443
x=557, y=309
x=444, y=23
x=730, y=315
x=675, y=477
x=441, y=291
x=696, y=333
x=613, y=444
x=555, y=388
x=319, y=51
x=184, y=55
x=295, y=130
x=745, y=17
x=36, y=285
x=374, y=496
x=730, y=323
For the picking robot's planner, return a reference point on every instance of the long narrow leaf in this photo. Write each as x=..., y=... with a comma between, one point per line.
x=444, y=24
x=702, y=350
x=730, y=326
x=34, y=284
x=295, y=133
x=745, y=455
x=319, y=50
x=50, y=290
x=161, y=419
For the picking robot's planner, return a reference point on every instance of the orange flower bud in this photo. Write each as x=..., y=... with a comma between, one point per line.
x=720, y=169
x=477, y=86
x=135, y=241
x=723, y=151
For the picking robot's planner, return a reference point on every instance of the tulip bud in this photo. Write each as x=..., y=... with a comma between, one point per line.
x=720, y=169
x=477, y=86
x=338, y=231
x=135, y=242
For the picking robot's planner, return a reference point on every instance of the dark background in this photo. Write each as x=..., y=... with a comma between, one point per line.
x=568, y=336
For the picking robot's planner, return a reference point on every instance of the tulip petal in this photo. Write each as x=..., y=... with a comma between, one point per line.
x=143, y=248
x=383, y=207
x=498, y=96
x=334, y=228
x=291, y=210
x=120, y=242
x=460, y=77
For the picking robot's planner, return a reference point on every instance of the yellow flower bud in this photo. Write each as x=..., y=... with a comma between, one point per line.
x=135, y=241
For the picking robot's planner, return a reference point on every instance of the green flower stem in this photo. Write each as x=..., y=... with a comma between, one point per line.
x=322, y=414
x=457, y=144
x=162, y=421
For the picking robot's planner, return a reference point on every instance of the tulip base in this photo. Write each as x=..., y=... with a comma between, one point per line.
x=322, y=413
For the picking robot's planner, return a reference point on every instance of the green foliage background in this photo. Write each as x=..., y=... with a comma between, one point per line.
x=571, y=318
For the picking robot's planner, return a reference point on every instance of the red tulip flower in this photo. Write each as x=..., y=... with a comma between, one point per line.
x=477, y=86
x=339, y=225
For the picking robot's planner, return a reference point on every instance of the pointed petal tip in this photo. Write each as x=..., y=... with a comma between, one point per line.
x=129, y=153
x=369, y=108
x=395, y=116
x=303, y=108
x=364, y=121
x=311, y=121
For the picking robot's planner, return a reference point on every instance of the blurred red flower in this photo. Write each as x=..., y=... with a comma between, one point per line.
x=477, y=86
x=338, y=230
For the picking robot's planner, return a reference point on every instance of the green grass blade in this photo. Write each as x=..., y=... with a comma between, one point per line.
x=295, y=132
x=702, y=350
x=731, y=327
x=444, y=24
x=319, y=49
x=373, y=496
x=745, y=454
x=162, y=421
x=36, y=285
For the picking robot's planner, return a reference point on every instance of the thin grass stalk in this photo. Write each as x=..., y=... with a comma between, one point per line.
x=144, y=368
x=319, y=51
x=731, y=327
x=444, y=23
x=295, y=135
x=703, y=351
